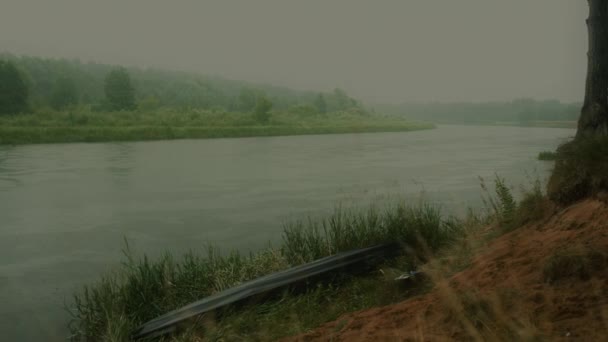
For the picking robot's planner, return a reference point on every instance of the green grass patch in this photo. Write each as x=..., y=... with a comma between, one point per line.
x=83, y=125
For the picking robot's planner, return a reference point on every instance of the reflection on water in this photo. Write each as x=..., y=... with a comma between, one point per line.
x=66, y=208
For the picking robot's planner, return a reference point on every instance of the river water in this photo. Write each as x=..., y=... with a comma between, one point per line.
x=65, y=209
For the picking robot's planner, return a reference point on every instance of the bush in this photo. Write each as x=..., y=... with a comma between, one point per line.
x=581, y=170
x=262, y=110
x=547, y=156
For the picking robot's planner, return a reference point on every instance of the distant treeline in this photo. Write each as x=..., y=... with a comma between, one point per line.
x=57, y=82
x=521, y=110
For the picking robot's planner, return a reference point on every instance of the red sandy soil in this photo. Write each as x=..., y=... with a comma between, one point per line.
x=503, y=295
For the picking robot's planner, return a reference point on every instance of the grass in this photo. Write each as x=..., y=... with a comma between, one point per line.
x=143, y=289
x=506, y=212
x=83, y=125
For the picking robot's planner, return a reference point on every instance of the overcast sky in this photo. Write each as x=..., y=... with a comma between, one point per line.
x=380, y=50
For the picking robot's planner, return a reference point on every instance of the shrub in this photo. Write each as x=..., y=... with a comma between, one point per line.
x=262, y=110
x=547, y=156
x=581, y=170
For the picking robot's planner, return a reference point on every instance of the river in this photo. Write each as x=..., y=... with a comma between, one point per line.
x=65, y=209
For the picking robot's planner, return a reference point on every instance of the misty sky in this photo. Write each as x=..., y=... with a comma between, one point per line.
x=380, y=51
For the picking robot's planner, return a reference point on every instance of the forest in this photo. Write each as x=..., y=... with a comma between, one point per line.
x=525, y=111
x=58, y=100
x=67, y=100
x=59, y=83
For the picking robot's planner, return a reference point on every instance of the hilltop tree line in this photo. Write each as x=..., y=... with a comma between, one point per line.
x=520, y=110
x=29, y=83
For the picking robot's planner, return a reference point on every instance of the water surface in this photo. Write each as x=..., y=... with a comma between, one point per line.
x=66, y=208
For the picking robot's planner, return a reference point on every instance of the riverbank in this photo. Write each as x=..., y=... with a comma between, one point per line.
x=67, y=207
x=546, y=280
x=87, y=126
x=536, y=124
x=144, y=289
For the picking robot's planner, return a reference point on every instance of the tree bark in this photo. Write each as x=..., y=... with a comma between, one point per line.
x=594, y=114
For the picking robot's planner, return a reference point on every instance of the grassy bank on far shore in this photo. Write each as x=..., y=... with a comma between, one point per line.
x=539, y=124
x=87, y=126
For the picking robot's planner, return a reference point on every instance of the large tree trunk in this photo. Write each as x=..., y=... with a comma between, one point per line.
x=594, y=115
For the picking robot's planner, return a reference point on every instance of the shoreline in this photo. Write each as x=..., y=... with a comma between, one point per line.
x=90, y=134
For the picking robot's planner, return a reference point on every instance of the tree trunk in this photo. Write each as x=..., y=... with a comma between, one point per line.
x=594, y=115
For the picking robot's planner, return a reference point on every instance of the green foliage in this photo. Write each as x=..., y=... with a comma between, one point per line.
x=13, y=89
x=84, y=125
x=262, y=109
x=420, y=228
x=143, y=289
x=64, y=94
x=320, y=104
x=150, y=103
x=504, y=204
x=526, y=112
x=341, y=100
x=173, y=90
x=120, y=94
x=304, y=111
x=248, y=99
x=581, y=170
x=547, y=156
x=510, y=214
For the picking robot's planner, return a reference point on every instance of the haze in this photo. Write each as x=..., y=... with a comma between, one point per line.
x=380, y=51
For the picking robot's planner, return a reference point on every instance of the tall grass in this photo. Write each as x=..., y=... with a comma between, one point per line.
x=420, y=228
x=143, y=289
x=508, y=213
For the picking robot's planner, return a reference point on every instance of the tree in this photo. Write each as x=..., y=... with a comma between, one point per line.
x=581, y=166
x=13, y=90
x=248, y=99
x=321, y=104
x=262, y=109
x=594, y=114
x=64, y=94
x=120, y=94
